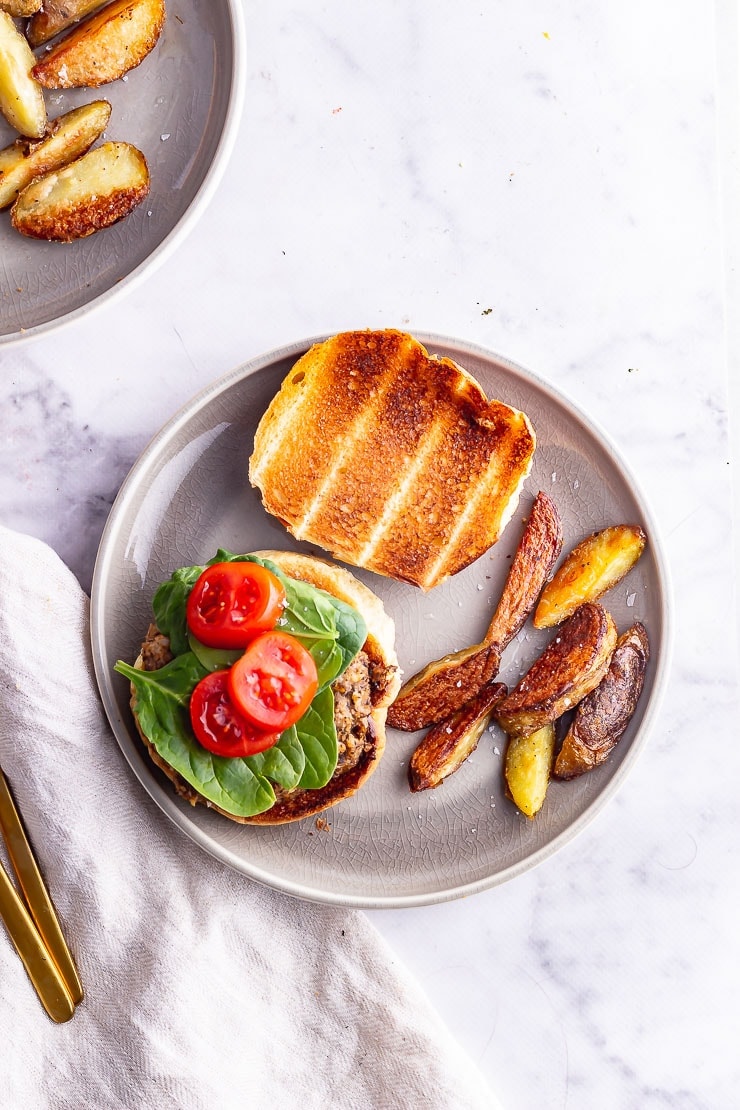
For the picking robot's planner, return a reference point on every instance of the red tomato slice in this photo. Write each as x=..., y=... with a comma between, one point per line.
x=217, y=723
x=274, y=681
x=231, y=603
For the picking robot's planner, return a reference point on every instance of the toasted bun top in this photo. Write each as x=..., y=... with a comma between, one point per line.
x=390, y=458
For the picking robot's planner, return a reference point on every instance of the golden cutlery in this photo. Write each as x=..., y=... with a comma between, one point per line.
x=31, y=920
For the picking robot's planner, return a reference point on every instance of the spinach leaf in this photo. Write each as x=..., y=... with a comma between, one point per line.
x=213, y=659
x=169, y=607
x=304, y=756
x=318, y=737
x=283, y=763
x=234, y=785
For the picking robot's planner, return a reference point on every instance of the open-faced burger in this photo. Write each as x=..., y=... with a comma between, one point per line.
x=262, y=686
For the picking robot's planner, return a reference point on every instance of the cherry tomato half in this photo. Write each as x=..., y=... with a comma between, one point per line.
x=219, y=726
x=274, y=681
x=231, y=603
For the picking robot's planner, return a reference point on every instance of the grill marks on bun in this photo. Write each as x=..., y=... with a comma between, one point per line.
x=391, y=459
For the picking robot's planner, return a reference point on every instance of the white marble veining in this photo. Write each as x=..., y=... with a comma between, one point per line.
x=543, y=180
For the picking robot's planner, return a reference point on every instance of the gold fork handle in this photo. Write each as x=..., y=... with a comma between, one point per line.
x=34, y=890
x=42, y=971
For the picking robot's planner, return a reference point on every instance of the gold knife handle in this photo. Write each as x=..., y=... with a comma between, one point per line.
x=34, y=890
x=42, y=971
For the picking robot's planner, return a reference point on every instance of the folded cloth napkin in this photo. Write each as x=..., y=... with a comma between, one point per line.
x=203, y=988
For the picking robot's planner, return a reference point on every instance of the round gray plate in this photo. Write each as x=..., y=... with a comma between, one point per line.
x=189, y=494
x=181, y=107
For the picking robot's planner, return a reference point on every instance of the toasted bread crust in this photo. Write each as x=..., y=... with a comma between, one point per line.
x=390, y=458
x=384, y=682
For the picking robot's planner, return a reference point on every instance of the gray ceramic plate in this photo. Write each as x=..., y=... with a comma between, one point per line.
x=189, y=493
x=181, y=107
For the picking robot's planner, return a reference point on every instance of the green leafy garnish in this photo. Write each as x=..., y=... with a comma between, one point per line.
x=330, y=629
x=305, y=756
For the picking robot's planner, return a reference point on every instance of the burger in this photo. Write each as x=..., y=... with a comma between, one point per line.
x=262, y=685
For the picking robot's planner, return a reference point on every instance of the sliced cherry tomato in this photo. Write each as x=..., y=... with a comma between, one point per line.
x=274, y=681
x=219, y=726
x=231, y=603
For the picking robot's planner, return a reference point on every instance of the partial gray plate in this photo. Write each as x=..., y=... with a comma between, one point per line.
x=189, y=494
x=181, y=107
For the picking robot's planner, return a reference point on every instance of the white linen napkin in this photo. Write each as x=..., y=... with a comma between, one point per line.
x=203, y=988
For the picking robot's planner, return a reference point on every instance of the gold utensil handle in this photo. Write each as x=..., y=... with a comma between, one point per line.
x=34, y=891
x=42, y=971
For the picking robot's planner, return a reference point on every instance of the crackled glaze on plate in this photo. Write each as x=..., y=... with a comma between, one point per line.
x=181, y=107
x=385, y=847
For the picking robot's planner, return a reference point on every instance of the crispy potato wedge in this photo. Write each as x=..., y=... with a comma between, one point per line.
x=20, y=8
x=604, y=714
x=571, y=665
x=66, y=138
x=446, y=684
x=104, y=46
x=446, y=746
x=592, y=567
x=531, y=567
x=442, y=687
x=90, y=193
x=56, y=16
x=21, y=96
x=527, y=768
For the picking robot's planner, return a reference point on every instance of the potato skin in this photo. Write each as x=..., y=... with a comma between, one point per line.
x=604, y=714
x=443, y=687
x=57, y=16
x=446, y=746
x=446, y=685
x=538, y=550
x=571, y=665
x=104, y=46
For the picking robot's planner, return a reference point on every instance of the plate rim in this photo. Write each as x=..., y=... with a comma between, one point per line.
x=189, y=218
x=167, y=802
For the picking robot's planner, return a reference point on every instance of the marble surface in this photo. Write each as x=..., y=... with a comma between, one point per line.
x=554, y=183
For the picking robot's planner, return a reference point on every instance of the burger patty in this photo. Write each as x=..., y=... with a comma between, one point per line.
x=353, y=700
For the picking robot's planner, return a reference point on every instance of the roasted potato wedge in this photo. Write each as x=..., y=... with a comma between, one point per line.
x=90, y=193
x=21, y=96
x=604, y=714
x=445, y=685
x=442, y=687
x=104, y=46
x=56, y=16
x=571, y=665
x=66, y=138
x=531, y=567
x=446, y=746
x=20, y=8
x=592, y=567
x=527, y=768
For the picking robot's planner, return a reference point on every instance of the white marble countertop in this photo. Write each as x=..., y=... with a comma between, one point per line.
x=542, y=180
